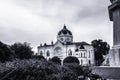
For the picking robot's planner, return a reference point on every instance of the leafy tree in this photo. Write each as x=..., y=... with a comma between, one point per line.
x=71, y=59
x=101, y=48
x=6, y=53
x=22, y=50
x=56, y=60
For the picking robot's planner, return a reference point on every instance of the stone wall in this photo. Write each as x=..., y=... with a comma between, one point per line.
x=111, y=73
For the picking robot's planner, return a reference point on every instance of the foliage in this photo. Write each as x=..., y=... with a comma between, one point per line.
x=101, y=48
x=31, y=69
x=22, y=50
x=76, y=68
x=71, y=59
x=38, y=57
x=84, y=71
x=56, y=60
x=95, y=77
x=6, y=53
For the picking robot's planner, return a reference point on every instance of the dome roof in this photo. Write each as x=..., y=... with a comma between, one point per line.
x=64, y=31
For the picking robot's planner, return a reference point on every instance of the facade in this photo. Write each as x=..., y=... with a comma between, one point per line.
x=64, y=47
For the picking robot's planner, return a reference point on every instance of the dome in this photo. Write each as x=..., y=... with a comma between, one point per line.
x=65, y=36
x=65, y=31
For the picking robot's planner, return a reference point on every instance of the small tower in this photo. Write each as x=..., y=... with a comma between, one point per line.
x=40, y=44
x=65, y=36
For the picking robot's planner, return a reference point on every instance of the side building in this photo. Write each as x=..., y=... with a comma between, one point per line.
x=64, y=47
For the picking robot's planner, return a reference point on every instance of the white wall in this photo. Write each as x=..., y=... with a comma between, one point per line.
x=88, y=51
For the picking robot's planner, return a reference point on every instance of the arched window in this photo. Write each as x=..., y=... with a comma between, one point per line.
x=58, y=50
x=41, y=53
x=48, y=53
x=81, y=62
x=70, y=52
x=61, y=39
x=68, y=39
x=89, y=54
x=81, y=55
x=84, y=54
x=89, y=62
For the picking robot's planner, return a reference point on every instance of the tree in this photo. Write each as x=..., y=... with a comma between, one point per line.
x=101, y=49
x=71, y=59
x=6, y=53
x=22, y=50
x=56, y=60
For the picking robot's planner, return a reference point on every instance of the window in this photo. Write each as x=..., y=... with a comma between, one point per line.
x=81, y=62
x=68, y=39
x=89, y=54
x=48, y=53
x=81, y=55
x=70, y=52
x=89, y=62
x=84, y=55
x=76, y=53
x=57, y=51
x=41, y=53
x=61, y=39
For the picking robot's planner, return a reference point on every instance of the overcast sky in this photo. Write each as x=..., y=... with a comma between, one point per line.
x=39, y=21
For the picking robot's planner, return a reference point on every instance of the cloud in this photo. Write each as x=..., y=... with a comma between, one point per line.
x=38, y=21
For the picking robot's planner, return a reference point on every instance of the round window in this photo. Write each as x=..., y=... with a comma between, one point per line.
x=61, y=39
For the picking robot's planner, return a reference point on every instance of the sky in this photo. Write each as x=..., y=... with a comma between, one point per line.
x=39, y=21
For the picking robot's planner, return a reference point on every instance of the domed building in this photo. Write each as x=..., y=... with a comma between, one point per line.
x=65, y=36
x=64, y=47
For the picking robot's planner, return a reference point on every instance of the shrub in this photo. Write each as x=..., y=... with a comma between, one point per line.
x=33, y=69
x=38, y=57
x=76, y=68
x=56, y=60
x=71, y=59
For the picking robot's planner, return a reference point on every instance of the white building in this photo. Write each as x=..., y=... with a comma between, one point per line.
x=64, y=46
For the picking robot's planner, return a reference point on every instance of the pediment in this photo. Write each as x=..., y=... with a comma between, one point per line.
x=58, y=43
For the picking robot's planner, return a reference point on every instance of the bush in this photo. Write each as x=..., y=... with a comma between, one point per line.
x=71, y=59
x=76, y=68
x=38, y=57
x=35, y=70
x=56, y=60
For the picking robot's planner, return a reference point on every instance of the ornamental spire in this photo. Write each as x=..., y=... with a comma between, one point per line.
x=65, y=26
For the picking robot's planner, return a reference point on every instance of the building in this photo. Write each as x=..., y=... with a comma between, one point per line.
x=64, y=46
